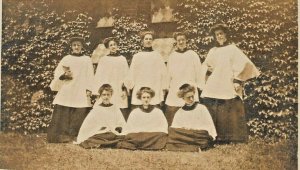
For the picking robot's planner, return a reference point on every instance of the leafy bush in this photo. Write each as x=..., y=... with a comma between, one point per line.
x=35, y=38
x=126, y=30
x=31, y=49
x=267, y=33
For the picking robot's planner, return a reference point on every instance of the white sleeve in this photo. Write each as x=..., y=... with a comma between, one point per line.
x=97, y=77
x=90, y=126
x=90, y=74
x=210, y=127
x=243, y=68
x=56, y=84
x=197, y=68
x=130, y=79
x=125, y=72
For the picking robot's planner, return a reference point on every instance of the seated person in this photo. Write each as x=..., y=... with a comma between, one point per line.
x=103, y=124
x=146, y=127
x=192, y=128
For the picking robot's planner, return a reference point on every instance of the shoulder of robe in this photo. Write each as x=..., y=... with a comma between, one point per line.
x=201, y=107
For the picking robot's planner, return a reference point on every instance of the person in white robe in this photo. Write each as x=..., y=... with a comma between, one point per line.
x=146, y=127
x=192, y=128
x=113, y=69
x=148, y=69
x=73, y=82
x=228, y=67
x=105, y=118
x=184, y=66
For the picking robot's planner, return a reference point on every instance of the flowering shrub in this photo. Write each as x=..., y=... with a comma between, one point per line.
x=31, y=49
x=267, y=32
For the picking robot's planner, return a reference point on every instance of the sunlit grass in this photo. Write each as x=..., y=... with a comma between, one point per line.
x=33, y=152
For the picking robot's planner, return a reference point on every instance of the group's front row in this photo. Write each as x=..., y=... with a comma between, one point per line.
x=192, y=128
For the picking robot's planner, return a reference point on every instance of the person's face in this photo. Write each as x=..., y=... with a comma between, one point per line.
x=147, y=41
x=181, y=42
x=76, y=47
x=106, y=96
x=112, y=46
x=220, y=36
x=146, y=98
x=189, y=98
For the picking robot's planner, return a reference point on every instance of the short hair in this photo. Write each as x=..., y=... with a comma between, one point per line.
x=144, y=33
x=216, y=27
x=186, y=88
x=145, y=90
x=105, y=87
x=176, y=34
x=107, y=40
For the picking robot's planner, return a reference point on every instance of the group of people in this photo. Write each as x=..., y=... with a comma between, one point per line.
x=185, y=105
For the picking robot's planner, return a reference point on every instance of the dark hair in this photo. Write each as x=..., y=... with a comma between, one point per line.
x=107, y=40
x=176, y=34
x=185, y=89
x=216, y=27
x=145, y=90
x=77, y=38
x=105, y=87
x=144, y=33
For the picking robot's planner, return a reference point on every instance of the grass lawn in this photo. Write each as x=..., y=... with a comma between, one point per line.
x=33, y=152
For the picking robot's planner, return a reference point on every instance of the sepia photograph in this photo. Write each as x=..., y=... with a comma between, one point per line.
x=149, y=84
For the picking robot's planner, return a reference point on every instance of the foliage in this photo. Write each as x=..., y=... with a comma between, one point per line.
x=31, y=49
x=267, y=32
x=35, y=38
x=127, y=30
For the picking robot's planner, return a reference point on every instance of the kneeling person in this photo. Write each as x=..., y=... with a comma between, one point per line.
x=103, y=124
x=192, y=128
x=146, y=127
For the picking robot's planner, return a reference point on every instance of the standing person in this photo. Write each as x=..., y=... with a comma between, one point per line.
x=112, y=69
x=73, y=80
x=192, y=128
x=103, y=124
x=228, y=67
x=146, y=127
x=183, y=67
x=148, y=70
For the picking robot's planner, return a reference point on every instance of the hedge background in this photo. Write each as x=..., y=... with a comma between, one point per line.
x=34, y=39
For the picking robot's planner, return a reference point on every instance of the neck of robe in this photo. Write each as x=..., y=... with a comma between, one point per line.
x=190, y=107
x=147, y=110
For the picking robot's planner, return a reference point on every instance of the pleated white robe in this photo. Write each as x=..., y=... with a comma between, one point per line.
x=112, y=70
x=183, y=68
x=148, y=69
x=197, y=119
x=228, y=63
x=98, y=118
x=72, y=93
x=140, y=121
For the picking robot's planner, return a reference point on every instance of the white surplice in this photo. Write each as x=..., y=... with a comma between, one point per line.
x=148, y=69
x=197, y=119
x=227, y=63
x=101, y=120
x=112, y=70
x=183, y=68
x=72, y=93
x=140, y=121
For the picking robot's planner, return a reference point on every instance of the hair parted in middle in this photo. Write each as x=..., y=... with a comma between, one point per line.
x=144, y=33
x=109, y=39
x=145, y=90
x=176, y=34
x=105, y=87
x=216, y=27
x=185, y=88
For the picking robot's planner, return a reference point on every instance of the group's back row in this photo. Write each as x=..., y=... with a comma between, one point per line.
x=218, y=79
